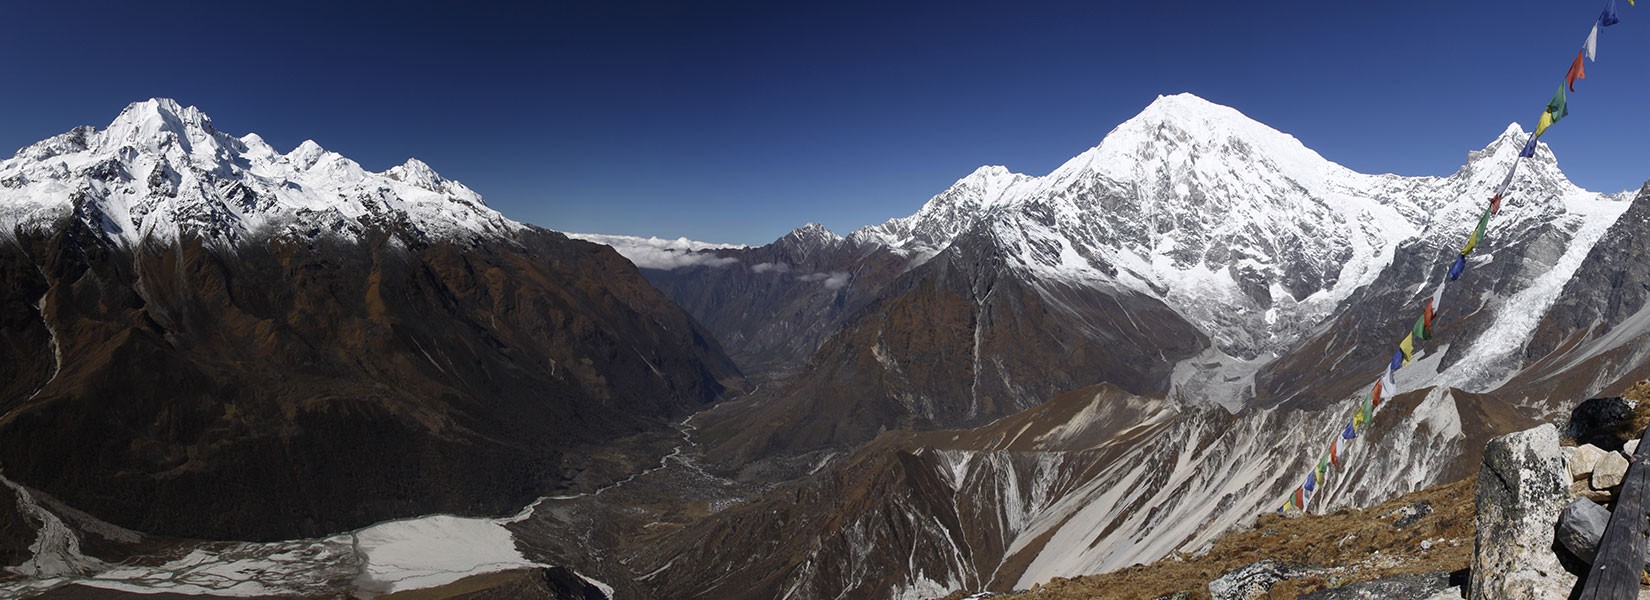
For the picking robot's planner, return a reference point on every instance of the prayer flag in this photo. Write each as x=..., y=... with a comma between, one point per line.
x=1438, y=299
x=1477, y=233
x=1311, y=481
x=1495, y=204
x=1376, y=393
x=1388, y=386
x=1335, y=452
x=1423, y=325
x=1323, y=469
x=1578, y=70
x=1527, y=152
x=1398, y=360
x=1350, y=432
x=1358, y=420
x=1407, y=347
x=1609, y=17
x=1368, y=411
x=1592, y=43
x=1557, y=109
x=1507, y=181
x=1459, y=266
x=1299, y=498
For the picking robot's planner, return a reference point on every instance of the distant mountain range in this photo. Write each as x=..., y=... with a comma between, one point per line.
x=1195, y=259
x=1029, y=377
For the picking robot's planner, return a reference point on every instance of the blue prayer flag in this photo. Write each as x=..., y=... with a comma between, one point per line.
x=1529, y=148
x=1609, y=17
x=1459, y=266
x=1349, y=433
x=1397, y=360
x=1311, y=480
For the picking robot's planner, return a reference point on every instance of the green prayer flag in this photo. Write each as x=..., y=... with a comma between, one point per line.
x=1557, y=107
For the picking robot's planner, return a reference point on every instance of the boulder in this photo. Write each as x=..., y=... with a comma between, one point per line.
x=1630, y=448
x=1610, y=471
x=1584, y=489
x=1581, y=526
x=1602, y=422
x=1583, y=461
x=1418, y=586
x=1254, y=579
x=1522, y=486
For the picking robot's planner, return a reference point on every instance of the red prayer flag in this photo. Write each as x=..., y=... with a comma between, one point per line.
x=1577, y=71
x=1376, y=397
x=1495, y=204
x=1426, y=316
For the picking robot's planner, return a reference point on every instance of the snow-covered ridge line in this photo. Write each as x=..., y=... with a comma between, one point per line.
x=1250, y=235
x=161, y=169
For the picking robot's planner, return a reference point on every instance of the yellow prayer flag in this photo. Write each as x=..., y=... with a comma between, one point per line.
x=1408, y=346
x=1472, y=242
x=1545, y=122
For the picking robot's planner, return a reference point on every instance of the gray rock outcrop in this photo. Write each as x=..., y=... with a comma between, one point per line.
x=1581, y=526
x=1253, y=580
x=1522, y=486
x=1418, y=586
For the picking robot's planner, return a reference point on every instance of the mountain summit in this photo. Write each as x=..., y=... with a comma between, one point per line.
x=161, y=169
x=1238, y=226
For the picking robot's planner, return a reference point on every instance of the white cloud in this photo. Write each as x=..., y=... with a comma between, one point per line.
x=658, y=253
x=833, y=281
x=769, y=267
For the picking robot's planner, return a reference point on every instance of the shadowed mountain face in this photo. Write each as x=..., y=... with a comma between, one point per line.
x=773, y=306
x=959, y=341
x=291, y=387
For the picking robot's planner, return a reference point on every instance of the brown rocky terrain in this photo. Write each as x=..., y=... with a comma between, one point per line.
x=1422, y=532
x=295, y=387
x=959, y=341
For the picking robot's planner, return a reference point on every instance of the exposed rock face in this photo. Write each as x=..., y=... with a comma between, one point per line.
x=1252, y=581
x=1581, y=526
x=1419, y=586
x=1523, y=486
x=291, y=388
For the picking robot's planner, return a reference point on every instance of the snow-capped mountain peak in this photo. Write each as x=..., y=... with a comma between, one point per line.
x=1240, y=227
x=161, y=169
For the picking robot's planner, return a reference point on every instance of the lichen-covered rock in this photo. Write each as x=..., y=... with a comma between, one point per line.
x=1416, y=586
x=1253, y=580
x=1610, y=471
x=1583, y=461
x=1581, y=526
x=1522, y=486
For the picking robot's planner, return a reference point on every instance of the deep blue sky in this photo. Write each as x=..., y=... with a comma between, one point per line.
x=737, y=121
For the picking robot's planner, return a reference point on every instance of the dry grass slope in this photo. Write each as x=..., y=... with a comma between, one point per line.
x=1353, y=545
